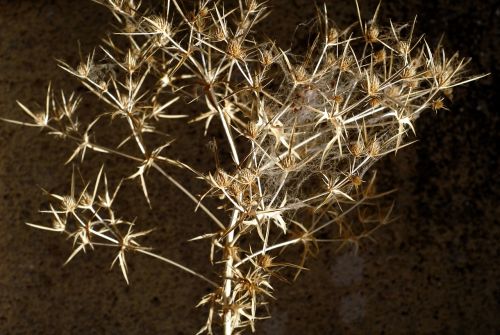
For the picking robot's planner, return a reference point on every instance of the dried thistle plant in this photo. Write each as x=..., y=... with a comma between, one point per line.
x=302, y=132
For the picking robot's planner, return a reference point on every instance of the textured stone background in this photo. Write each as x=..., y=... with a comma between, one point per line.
x=433, y=271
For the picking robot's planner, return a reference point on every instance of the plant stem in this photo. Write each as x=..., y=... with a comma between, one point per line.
x=228, y=324
x=180, y=266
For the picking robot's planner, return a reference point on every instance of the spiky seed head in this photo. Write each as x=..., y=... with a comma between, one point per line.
x=41, y=119
x=375, y=101
x=288, y=162
x=221, y=178
x=356, y=180
x=103, y=86
x=247, y=176
x=159, y=25
x=200, y=23
x=345, y=63
x=86, y=200
x=191, y=16
x=130, y=27
x=236, y=189
x=379, y=56
x=130, y=61
x=337, y=99
x=131, y=83
x=372, y=33
x=129, y=7
x=203, y=12
x=374, y=148
x=252, y=5
x=266, y=58
x=68, y=204
x=235, y=50
x=357, y=148
x=125, y=101
x=333, y=35
x=83, y=69
x=257, y=82
x=403, y=48
x=329, y=183
x=330, y=59
x=438, y=104
x=408, y=72
x=59, y=225
x=393, y=92
x=372, y=84
x=300, y=74
x=233, y=251
x=265, y=261
x=218, y=33
x=252, y=130
x=443, y=74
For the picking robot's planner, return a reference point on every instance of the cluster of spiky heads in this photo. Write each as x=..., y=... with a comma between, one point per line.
x=302, y=132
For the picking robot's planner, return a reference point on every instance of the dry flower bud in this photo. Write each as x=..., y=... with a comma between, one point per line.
x=103, y=86
x=221, y=179
x=357, y=148
x=218, y=33
x=379, y=56
x=333, y=35
x=438, y=104
x=374, y=148
x=372, y=84
x=266, y=58
x=403, y=47
x=130, y=61
x=235, y=50
x=330, y=59
x=68, y=204
x=345, y=63
x=159, y=24
x=252, y=130
x=247, y=176
x=356, y=180
x=300, y=74
x=165, y=80
x=371, y=34
x=203, y=12
x=83, y=69
x=86, y=200
x=337, y=99
x=58, y=225
x=251, y=5
x=288, y=162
